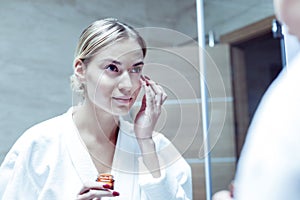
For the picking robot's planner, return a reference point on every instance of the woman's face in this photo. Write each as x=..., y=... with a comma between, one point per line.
x=112, y=77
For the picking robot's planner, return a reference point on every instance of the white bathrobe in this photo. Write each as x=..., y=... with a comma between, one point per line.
x=50, y=161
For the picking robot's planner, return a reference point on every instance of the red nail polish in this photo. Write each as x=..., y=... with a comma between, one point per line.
x=106, y=186
x=115, y=193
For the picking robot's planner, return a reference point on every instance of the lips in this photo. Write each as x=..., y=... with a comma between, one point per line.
x=123, y=100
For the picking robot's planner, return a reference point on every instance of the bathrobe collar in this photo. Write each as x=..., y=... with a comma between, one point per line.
x=125, y=162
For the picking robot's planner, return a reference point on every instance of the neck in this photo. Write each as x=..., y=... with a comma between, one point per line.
x=95, y=123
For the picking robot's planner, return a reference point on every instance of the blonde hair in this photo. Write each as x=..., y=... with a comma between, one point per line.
x=98, y=35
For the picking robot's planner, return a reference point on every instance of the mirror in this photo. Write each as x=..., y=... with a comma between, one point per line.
x=38, y=39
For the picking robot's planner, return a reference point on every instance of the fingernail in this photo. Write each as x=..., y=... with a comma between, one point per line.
x=115, y=193
x=147, y=77
x=106, y=186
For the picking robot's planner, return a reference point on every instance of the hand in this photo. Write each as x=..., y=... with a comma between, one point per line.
x=95, y=191
x=150, y=110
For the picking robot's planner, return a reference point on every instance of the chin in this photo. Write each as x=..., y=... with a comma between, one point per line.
x=120, y=111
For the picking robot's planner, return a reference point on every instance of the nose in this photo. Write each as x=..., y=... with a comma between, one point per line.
x=125, y=83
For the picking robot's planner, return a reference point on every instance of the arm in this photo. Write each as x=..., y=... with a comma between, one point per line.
x=175, y=181
x=164, y=173
x=15, y=182
x=150, y=158
x=145, y=122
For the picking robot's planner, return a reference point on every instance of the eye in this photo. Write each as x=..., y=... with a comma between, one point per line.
x=112, y=67
x=135, y=70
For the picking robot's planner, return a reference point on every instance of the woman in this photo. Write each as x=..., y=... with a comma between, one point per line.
x=62, y=157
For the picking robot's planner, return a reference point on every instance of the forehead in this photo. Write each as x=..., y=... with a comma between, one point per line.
x=124, y=49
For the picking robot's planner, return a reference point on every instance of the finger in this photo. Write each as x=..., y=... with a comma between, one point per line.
x=146, y=77
x=144, y=80
x=150, y=95
x=92, y=194
x=97, y=194
x=91, y=185
x=160, y=96
x=114, y=193
x=153, y=85
x=143, y=106
x=164, y=94
x=159, y=92
x=148, y=81
x=158, y=99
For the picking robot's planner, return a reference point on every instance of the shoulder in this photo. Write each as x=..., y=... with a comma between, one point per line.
x=287, y=81
x=38, y=151
x=41, y=135
x=280, y=104
x=41, y=143
x=46, y=130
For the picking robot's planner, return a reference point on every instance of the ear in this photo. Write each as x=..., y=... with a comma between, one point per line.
x=79, y=70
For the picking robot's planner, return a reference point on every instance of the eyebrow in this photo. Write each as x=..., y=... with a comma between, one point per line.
x=115, y=62
x=139, y=63
x=119, y=63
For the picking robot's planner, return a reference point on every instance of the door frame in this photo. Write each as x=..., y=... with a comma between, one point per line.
x=239, y=83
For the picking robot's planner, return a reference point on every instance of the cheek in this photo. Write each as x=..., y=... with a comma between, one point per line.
x=137, y=83
x=99, y=84
x=288, y=12
x=136, y=86
x=137, y=90
x=105, y=86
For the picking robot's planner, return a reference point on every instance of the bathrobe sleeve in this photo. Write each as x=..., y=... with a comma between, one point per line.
x=175, y=181
x=27, y=167
x=15, y=181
